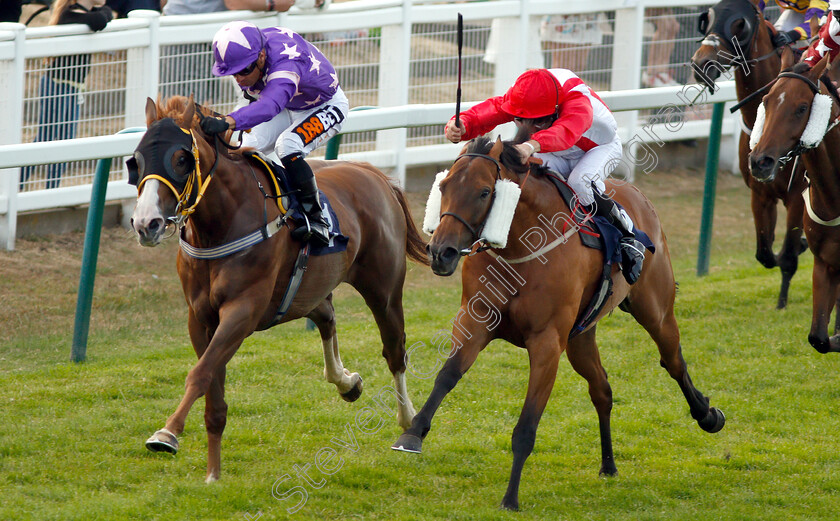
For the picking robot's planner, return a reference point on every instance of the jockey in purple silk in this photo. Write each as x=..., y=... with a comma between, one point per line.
x=292, y=105
x=794, y=24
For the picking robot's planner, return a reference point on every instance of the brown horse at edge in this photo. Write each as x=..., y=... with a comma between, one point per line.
x=783, y=127
x=762, y=66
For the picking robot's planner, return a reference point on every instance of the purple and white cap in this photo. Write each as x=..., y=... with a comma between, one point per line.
x=236, y=46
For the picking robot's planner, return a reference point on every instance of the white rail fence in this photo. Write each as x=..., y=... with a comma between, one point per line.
x=397, y=55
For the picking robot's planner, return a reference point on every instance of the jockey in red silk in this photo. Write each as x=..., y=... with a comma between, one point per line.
x=829, y=41
x=293, y=104
x=577, y=138
x=794, y=24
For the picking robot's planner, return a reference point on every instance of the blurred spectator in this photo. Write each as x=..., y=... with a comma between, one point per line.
x=568, y=37
x=63, y=83
x=10, y=10
x=658, y=70
x=184, y=67
x=121, y=8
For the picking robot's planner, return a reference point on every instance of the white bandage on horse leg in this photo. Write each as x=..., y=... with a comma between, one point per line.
x=758, y=126
x=817, y=122
x=497, y=225
x=432, y=217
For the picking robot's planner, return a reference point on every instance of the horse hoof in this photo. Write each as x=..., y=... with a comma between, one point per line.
x=608, y=472
x=822, y=346
x=408, y=443
x=714, y=421
x=512, y=505
x=353, y=394
x=163, y=441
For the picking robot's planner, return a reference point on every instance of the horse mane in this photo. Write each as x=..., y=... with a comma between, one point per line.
x=798, y=68
x=510, y=157
x=174, y=106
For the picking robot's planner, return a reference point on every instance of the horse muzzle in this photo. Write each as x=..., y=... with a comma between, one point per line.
x=443, y=259
x=149, y=231
x=706, y=69
x=764, y=167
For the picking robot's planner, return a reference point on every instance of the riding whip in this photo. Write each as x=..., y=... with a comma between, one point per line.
x=458, y=93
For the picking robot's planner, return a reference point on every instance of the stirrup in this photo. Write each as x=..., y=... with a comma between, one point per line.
x=316, y=232
x=632, y=258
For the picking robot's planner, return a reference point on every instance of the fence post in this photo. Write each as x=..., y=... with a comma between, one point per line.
x=709, y=188
x=394, y=82
x=626, y=68
x=142, y=73
x=93, y=231
x=11, y=103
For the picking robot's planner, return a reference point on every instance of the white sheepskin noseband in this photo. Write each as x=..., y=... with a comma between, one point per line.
x=496, y=226
x=432, y=217
x=758, y=127
x=817, y=122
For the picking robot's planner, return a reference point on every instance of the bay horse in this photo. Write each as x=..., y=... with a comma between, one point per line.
x=801, y=116
x=533, y=299
x=232, y=295
x=737, y=36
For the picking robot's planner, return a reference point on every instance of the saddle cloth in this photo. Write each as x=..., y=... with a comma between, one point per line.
x=338, y=242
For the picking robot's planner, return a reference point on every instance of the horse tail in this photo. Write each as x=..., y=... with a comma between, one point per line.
x=415, y=246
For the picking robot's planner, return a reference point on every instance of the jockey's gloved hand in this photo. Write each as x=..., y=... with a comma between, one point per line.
x=785, y=38
x=212, y=126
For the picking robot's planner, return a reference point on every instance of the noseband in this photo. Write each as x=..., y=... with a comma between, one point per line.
x=476, y=233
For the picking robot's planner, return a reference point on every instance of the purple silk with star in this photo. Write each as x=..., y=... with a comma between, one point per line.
x=297, y=76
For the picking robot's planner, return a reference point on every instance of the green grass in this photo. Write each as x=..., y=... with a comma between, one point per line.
x=71, y=436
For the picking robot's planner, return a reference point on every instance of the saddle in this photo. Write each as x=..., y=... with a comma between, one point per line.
x=598, y=233
x=288, y=203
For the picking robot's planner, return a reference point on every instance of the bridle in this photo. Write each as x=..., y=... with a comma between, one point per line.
x=478, y=244
x=801, y=147
x=183, y=209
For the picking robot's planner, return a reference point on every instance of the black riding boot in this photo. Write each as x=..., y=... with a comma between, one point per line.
x=632, y=251
x=301, y=178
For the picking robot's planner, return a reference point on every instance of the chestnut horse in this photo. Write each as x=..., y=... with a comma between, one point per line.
x=231, y=296
x=533, y=299
x=756, y=62
x=801, y=116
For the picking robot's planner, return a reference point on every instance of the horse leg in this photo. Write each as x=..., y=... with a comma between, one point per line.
x=586, y=361
x=468, y=339
x=388, y=312
x=764, y=218
x=215, y=419
x=349, y=384
x=824, y=282
x=543, y=354
x=792, y=247
x=655, y=312
x=237, y=320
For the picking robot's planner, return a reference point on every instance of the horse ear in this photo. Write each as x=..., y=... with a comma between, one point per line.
x=151, y=112
x=787, y=58
x=498, y=146
x=189, y=114
x=820, y=67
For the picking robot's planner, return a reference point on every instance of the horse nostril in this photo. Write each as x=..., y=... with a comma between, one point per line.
x=766, y=162
x=155, y=225
x=448, y=254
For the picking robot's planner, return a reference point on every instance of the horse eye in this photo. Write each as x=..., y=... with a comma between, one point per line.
x=801, y=109
x=485, y=193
